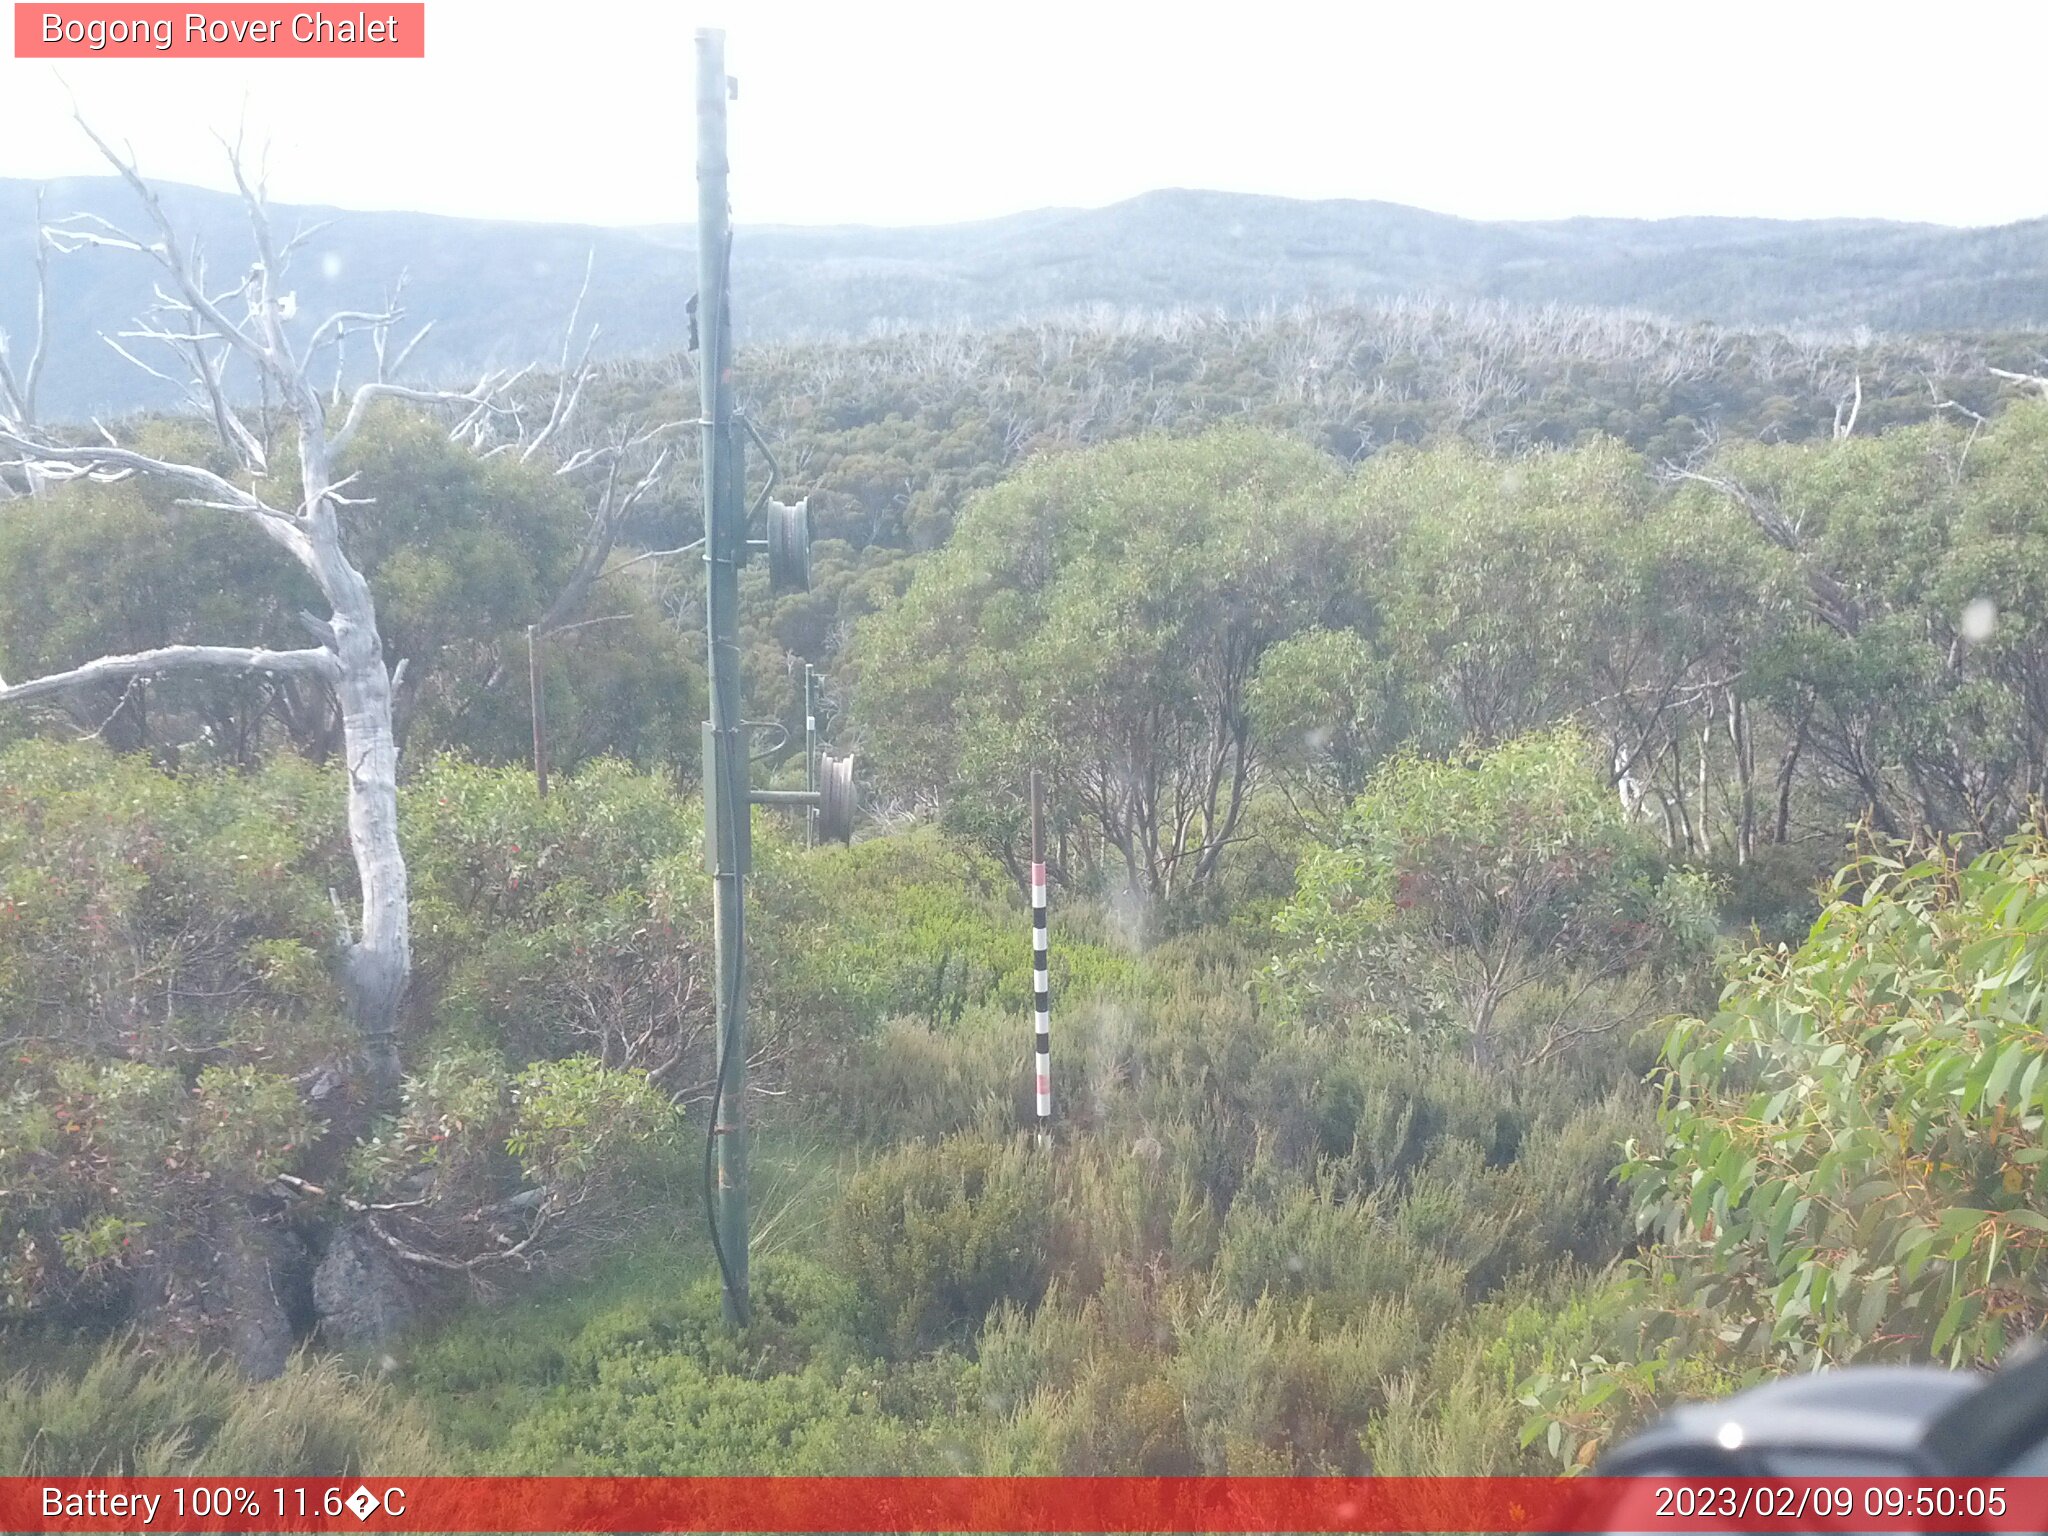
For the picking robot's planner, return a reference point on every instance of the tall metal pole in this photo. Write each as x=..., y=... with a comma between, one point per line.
x=725, y=760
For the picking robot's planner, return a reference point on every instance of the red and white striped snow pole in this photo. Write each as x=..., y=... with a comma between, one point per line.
x=1041, y=979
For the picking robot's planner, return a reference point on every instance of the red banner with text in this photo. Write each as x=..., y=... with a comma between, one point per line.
x=1022, y=1504
x=241, y=31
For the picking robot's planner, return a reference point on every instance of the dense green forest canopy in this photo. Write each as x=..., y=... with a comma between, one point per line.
x=1543, y=817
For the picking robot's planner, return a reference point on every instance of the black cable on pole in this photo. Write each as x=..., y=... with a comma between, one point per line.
x=725, y=1055
x=713, y=354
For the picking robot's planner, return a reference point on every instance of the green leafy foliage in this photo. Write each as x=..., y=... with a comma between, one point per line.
x=1101, y=615
x=894, y=968
x=1925, y=552
x=1849, y=1158
x=162, y=978
x=90, y=570
x=1490, y=747
x=1321, y=699
x=656, y=1384
x=1853, y=1154
x=1509, y=880
x=169, y=1005
x=571, y=1144
x=462, y=553
x=574, y=923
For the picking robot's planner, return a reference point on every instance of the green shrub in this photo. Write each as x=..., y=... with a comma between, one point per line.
x=151, y=916
x=131, y=1413
x=576, y=924
x=802, y=1312
x=1133, y=1207
x=1464, y=1410
x=1226, y=1373
x=1459, y=892
x=934, y=1235
x=1083, y=1388
x=651, y=1381
x=1171, y=1378
x=665, y=1415
x=912, y=1081
x=576, y=1146
x=916, y=926
x=1275, y=1388
x=1561, y=1200
x=165, y=970
x=1378, y=1107
x=1298, y=1245
x=1466, y=1430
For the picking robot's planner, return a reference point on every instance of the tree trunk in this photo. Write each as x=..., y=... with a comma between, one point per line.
x=1745, y=776
x=380, y=956
x=1787, y=766
x=361, y=1295
x=258, y=1269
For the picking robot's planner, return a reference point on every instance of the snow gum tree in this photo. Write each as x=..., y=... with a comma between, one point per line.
x=222, y=335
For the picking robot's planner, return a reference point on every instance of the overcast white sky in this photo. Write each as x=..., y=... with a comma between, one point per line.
x=891, y=112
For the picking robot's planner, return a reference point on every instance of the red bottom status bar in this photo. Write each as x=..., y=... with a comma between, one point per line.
x=1022, y=1504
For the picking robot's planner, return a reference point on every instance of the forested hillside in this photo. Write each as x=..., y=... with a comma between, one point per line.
x=1542, y=814
x=497, y=291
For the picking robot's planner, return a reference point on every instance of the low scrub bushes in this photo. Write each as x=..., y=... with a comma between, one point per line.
x=933, y=1236
x=135, y=1413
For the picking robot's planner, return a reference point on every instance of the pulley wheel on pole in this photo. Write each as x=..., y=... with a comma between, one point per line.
x=835, y=798
x=789, y=546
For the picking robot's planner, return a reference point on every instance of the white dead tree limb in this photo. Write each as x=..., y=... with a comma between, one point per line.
x=624, y=466
x=570, y=379
x=1978, y=421
x=657, y=554
x=1833, y=602
x=629, y=466
x=2034, y=380
x=19, y=383
x=170, y=659
x=620, y=468
x=246, y=325
x=1846, y=411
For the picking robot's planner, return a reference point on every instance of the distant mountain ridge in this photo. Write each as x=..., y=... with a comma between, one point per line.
x=498, y=292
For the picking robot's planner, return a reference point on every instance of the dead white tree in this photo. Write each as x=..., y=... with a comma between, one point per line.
x=246, y=324
x=19, y=383
x=621, y=486
x=627, y=466
x=1848, y=409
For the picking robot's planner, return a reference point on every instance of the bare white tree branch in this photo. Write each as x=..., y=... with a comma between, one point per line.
x=616, y=502
x=570, y=380
x=170, y=659
x=2034, y=379
x=656, y=554
x=18, y=389
x=485, y=401
x=105, y=462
